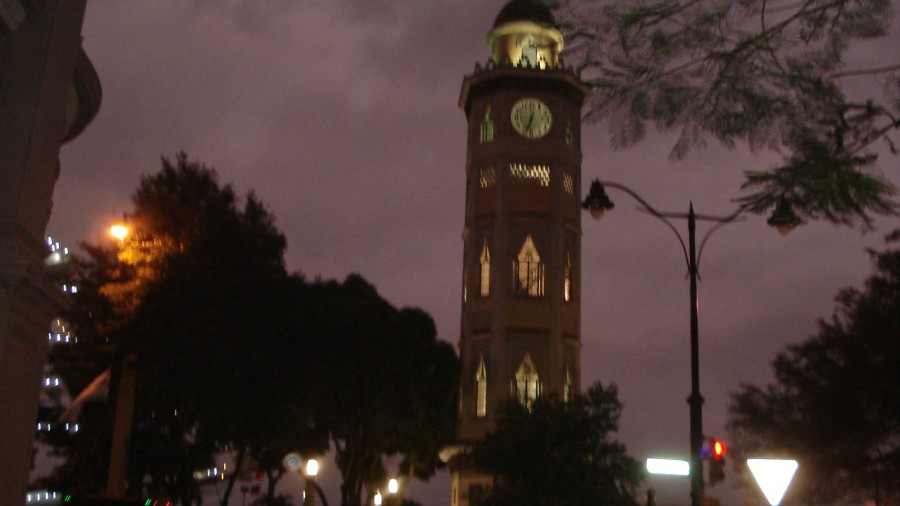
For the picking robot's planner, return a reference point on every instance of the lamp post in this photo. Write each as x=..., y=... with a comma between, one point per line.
x=309, y=489
x=597, y=203
x=308, y=471
x=123, y=384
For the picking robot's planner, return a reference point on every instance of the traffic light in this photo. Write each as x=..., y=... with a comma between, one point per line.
x=717, y=451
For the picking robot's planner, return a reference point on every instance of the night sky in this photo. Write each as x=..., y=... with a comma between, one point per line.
x=342, y=116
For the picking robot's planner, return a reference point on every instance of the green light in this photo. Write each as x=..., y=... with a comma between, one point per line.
x=147, y=503
x=68, y=498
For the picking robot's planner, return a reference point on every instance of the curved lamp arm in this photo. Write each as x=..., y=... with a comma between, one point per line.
x=652, y=212
x=598, y=197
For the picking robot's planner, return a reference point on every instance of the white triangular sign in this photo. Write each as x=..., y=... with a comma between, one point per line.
x=773, y=476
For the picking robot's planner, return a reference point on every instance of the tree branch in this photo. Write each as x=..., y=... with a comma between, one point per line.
x=865, y=72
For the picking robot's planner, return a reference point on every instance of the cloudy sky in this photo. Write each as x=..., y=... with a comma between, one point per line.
x=342, y=116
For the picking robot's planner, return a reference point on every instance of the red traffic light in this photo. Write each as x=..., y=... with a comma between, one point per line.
x=712, y=449
x=716, y=449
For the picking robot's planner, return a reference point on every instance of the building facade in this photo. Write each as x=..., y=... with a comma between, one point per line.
x=520, y=328
x=49, y=92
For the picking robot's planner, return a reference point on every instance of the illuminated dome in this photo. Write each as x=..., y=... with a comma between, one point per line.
x=525, y=10
x=525, y=35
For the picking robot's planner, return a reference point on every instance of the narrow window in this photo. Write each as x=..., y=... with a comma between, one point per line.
x=487, y=126
x=569, y=136
x=528, y=388
x=528, y=271
x=481, y=390
x=568, y=183
x=567, y=281
x=466, y=286
x=486, y=177
x=485, y=270
x=567, y=387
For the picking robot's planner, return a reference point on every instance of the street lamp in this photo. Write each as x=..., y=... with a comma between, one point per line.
x=293, y=462
x=124, y=382
x=597, y=203
x=309, y=490
x=120, y=232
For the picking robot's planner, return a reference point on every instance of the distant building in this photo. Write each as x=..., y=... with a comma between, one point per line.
x=520, y=331
x=49, y=92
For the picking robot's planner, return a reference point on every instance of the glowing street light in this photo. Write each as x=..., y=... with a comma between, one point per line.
x=120, y=232
x=393, y=486
x=773, y=477
x=312, y=468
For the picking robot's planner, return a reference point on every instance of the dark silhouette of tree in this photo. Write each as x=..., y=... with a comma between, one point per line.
x=557, y=454
x=194, y=293
x=235, y=354
x=835, y=402
x=768, y=73
x=381, y=384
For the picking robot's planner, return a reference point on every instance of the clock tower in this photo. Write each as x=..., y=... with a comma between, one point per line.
x=520, y=329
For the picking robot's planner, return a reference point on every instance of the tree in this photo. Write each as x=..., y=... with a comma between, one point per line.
x=191, y=293
x=235, y=354
x=769, y=73
x=835, y=402
x=381, y=383
x=558, y=454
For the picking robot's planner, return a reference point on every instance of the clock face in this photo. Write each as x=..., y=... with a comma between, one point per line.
x=531, y=118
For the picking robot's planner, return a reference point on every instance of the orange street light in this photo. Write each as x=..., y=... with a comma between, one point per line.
x=119, y=232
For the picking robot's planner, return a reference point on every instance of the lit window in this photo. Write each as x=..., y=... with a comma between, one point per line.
x=567, y=275
x=486, y=177
x=487, y=126
x=481, y=390
x=531, y=175
x=485, y=270
x=568, y=183
x=528, y=271
x=567, y=387
x=528, y=388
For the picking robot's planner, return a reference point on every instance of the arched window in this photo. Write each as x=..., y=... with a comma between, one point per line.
x=528, y=271
x=481, y=390
x=487, y=126
x=528, y=387
x=567, y=278
x=485, y=270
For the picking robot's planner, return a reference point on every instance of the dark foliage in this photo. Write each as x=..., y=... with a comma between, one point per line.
x=558, y=454
x=233, y=353
x=835, y=402
x=769, y=74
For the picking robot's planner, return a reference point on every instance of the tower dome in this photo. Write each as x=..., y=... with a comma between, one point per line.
x=525, y=34
x=525, y=10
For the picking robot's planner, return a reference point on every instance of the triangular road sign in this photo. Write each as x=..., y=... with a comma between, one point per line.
x=773, y=476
